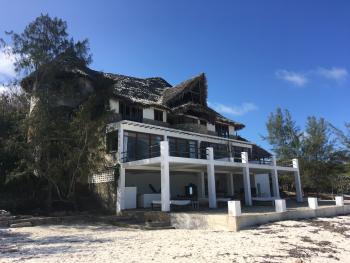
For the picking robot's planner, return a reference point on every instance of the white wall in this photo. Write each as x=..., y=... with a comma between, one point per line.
x=148, y=113
x=178, y=181
x=231, y=129
x=264, y=182
x=114, y=105
x=210, y=127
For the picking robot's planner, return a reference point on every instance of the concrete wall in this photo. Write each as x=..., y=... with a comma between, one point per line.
x=210, y=127
x=231, y=129
x=114, y=105
x=148, y=113
x=211, y=221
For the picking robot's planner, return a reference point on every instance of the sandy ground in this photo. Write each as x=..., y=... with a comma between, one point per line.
x=319, y=240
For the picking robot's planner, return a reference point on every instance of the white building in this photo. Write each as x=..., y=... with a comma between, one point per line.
x=174, y=149
x=168, y=146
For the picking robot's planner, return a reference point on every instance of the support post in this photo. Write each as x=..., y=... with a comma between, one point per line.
x=234, y=208
x=231, y=188
x=339, y=200
x=274, y=177
x=120, y=144
x=246, y=179
x=298, y=190
x=280, y=205
x=164, y=176
x=211, y=178
x=201, y=185
x=312, y=201
x=121, y=191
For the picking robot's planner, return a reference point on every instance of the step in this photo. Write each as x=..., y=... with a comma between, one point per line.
x=22, y=224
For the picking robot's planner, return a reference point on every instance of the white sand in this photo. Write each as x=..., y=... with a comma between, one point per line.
x=321, y=240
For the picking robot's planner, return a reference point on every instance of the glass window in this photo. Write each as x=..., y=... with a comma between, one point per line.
x=158, y=115
x=183, y=148
x=112, y=141
x=139, y=146
x=222, y=130
x=131, y=113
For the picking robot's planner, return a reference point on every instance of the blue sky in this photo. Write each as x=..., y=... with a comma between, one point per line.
x=258, y=55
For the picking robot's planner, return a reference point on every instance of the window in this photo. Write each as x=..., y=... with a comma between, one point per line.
x=131, y=113
x=158, y=115
x=220, y=150
x=203, y=122
x=112, y=142
x=183, y=148
x=139, y=146
x=222, y=130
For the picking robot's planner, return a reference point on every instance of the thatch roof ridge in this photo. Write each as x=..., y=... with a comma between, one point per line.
x=172, y=92
x=152, y=91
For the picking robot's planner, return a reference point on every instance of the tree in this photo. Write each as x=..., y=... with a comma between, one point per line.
x=13, y=110
x=55, y=150
x=318, y=152
x=283, y=134
x=342, y=182
x=42, y=41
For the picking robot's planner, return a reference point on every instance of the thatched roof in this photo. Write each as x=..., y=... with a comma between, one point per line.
x=155, y=91
x=258, y=152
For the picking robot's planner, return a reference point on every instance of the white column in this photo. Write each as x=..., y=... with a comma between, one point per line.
x=120, y=143
x=274, y=178
x=164, y=176
x=230, y=185
x=234, y=208
x=298, y=190
x=201, y=185
x=312, y=201
x=280, y=205
x=246, y=179
x=121, y=190
x=211, y=178
x=339, y=200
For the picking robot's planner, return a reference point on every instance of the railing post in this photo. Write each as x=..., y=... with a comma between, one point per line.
x=211, y=178
x=274, y=177
x=164, y=176
x=246, y=179
x=298, y=190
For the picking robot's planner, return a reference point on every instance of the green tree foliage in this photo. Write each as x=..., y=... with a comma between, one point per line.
x=322, y=164
x=317, y=154
x=283, y=134
x=63, y=144
x=13, y=110
x=42, y=41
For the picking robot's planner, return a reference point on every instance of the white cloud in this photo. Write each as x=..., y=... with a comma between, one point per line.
x=295, y=78
x=234, y=110
x=2, y=89
x=7, y=59
x=338, y=74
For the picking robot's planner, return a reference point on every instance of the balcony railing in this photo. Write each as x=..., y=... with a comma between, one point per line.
x=200, y=153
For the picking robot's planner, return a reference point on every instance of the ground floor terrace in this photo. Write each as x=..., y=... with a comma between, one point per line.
x=168, y=182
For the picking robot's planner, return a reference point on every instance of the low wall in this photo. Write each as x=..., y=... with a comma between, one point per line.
x=224, y=222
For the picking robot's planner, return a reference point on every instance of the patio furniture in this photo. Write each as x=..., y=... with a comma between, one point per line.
x=173, y=202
